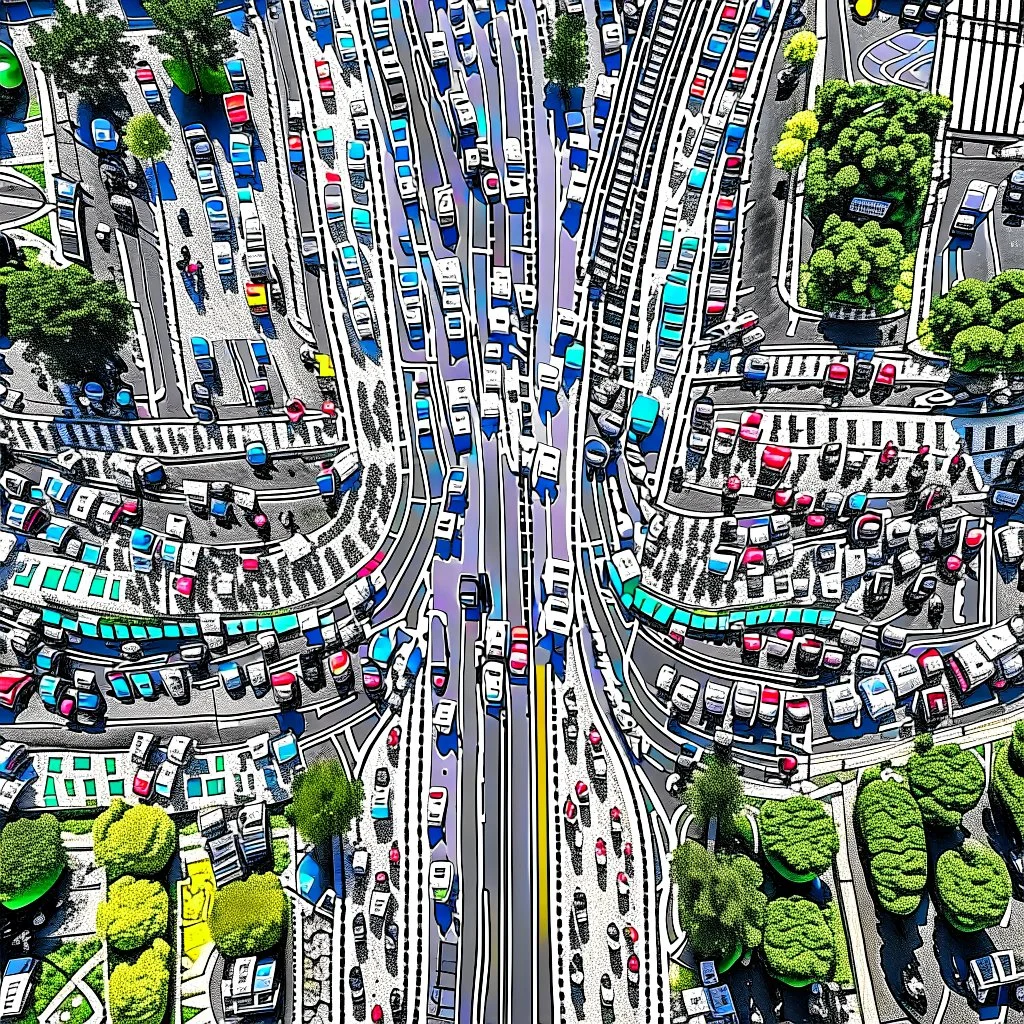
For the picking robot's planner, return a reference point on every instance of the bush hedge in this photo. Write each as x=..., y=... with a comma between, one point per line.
x=134, y=912
x=138, y=991
x=137, y=840
x=32, y=857
x=1008, y=778
x=972, y=886
x=799, y=946
x=799, y=836
x=889, y=823
x=249, y=916
x=945, y=780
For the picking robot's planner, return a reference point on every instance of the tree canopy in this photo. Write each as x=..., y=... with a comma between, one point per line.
x=973, y=886
x=134, y=912
x=567, y=62
x=799, y=834
x=1008, y=777
x=74, y=324
x=715, y=792
x=946, y=781
x=138, y=991
x=146, y=137
x=31, y=854
x=801, y=49
x=889, y=822
x=133, y=840
x=720, y=902
x=324, y=801
x=856, y=266
x=788, y=154
x=249, y=916
x=83, y=52
x=191, y=31
x=799, y=944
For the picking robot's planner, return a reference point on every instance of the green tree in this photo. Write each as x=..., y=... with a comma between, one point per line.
x=788, y=154
x=978, y=348
x=249, y=916
x=799, y=944
x=138, y=991
x=134, y=912
x=889, y=823
x=967, y=304
x=324, y=801
x=74, y=324
x=1008, y=777
x=83, y=53
x=133, y=840
x=715, y=792
x=972, y=886
x=1008, y=315
x=798, y=835
x=720, y=902
x=801, y=49
x=192, y=32
x=567, y=62
x=803, y=125
x=946, y=781
x=32, y=857
x=146, y=138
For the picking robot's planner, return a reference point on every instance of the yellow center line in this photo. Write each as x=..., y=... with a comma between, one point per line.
x=540, y=692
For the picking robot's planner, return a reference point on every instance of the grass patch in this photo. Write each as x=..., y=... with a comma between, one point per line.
x=188, y=1012
x=680, y=978
x=191, y=829
x=94, y=979
x=40, y=227
x=744, y=831
x=181, y=75
x=282, y=856
x=77, y=826
x=37, y=172
x=214, y=81
x=60, y=965
x=278, y=821
x=843, y=975
x=33, y=109
x=821, y=781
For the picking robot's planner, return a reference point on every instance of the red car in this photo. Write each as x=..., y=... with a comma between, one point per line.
x=886, y=376
x=752, y=643
x=837, y=375
x=798, y=709
x=714, y=307
x=728, y=17
x=804, y=501
x=725, y=206
x=236, y=106
x=815, y=521
x=768, y=706
x=12, y=685
x=973, y=540
x=283, y=685
x=699, y=87
x=750, y=427
x=519, y=652
x=738, y=75
x=142, y=785
x=783, y=497
x=371, y=566
x=776, y=458
x=323, y=78
x=733, y=165
x=753, y=556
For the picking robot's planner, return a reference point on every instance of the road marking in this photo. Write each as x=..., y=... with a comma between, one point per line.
x=542, y=803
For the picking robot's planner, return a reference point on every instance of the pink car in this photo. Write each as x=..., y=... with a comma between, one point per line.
x=519, y=652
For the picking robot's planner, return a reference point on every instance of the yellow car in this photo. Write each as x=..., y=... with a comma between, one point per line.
x=256, y=298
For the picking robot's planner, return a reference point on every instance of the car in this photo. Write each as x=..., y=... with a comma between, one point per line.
x=224, y=259
x=147, y=83
x=324, y=79
x=142, y=784
x=842, y=703
x=333, y=196
x=750, y=427
x=699, y=87
x=886, y=376
x=14, y=688
x=728, y=17
x=104, y=135
x=519, y=652
x=768, y=705
x=797, y=709
x=880, y=586
x=725, y=206
x=725, y=440
x=217, y=215
x=878, y=696
x=380, y=802
x=716, y=697
x=347, y=48
x=490, y=186
x=717, y=44
x=978, y=201
x=837, y=376
x=240, y=153
x=373, y=680
x=236, y=107
x=492, y=678
x=1013, y=198
x=607, y=991
x=166, y=776
x=172, y=680
x=684, y=696
x=230, y=677
x=745, y=700
x=611, y=38
x=197, y=142
x=437, y=806
x=284, y=686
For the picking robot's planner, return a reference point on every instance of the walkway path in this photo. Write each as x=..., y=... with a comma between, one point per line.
x=76, y=983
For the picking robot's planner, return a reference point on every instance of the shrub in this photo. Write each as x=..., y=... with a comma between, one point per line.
x=137, y=840
x=715, y=792
x=324, y=801
x=946, y=781
x=889, y=823
x=138, y=991
x=32, y=857
x=1008, y=778
x=134, y=912
x=799, y=835
x=249, y=916
x=798, y=941
x=802, y=48
x=788, y=154
x=803, y=125
x=972, y=886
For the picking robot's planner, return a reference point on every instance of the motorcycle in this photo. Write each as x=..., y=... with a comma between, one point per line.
x=913, y=987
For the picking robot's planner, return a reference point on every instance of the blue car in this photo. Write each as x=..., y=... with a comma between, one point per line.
x=713, y=50
x=230, y=677
x=220, y=507
x=104, y=135
x=120, y=687
x=361, y=220
x=203, y=355
x=143, y=683
x=734, y=138
x=48, y=688
x=256, y=454
x=238, y=77
x=49, y=659
x=217, y=215
x=240, y=153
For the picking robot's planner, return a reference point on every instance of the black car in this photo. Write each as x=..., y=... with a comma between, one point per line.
x=831, y=454
x=880, y=587
x=1013, y=199
x=475, y=592
x=201, y=393
x=311, y=663
x=863, y=374
x=355, y=982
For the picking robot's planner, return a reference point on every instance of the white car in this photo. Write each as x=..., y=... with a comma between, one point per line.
x=493, y=678
x=744, y=700
x=437, y=806
x=224, y=259
x=166, y=775
x=206, y=178
x=546, y=463
x=716, y=697
x=879, y=699
x=843, y=703
x=437, y=47
x=684, y=696
x=444, y=206
x=496, y=642
x=611, y=38
x=699, y=441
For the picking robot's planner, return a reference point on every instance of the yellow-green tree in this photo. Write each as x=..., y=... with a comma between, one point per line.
x=138, y=991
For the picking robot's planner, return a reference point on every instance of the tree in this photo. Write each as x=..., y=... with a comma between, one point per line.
x=134, y=912
x=192, y=32
x=83, y=53
x=801, y=49
x=1008, y=777
x=889, y=823
x=788, y=154
x=798, y=836
x=146, y=138
x=138, y=991
x=803, y=125
x=74, y=324
x=720, y=902
x=249, y=916
x=567, y=62
x=967, y=304
x=946, y=781
x=32, y=857
x=137, y=840
x=799, y=944
x=324, y=801
x=856, y=266
x=715, y=792
x=977, y=348
x=973, y=886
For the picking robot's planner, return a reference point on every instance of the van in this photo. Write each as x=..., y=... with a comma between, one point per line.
x=320, y=10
